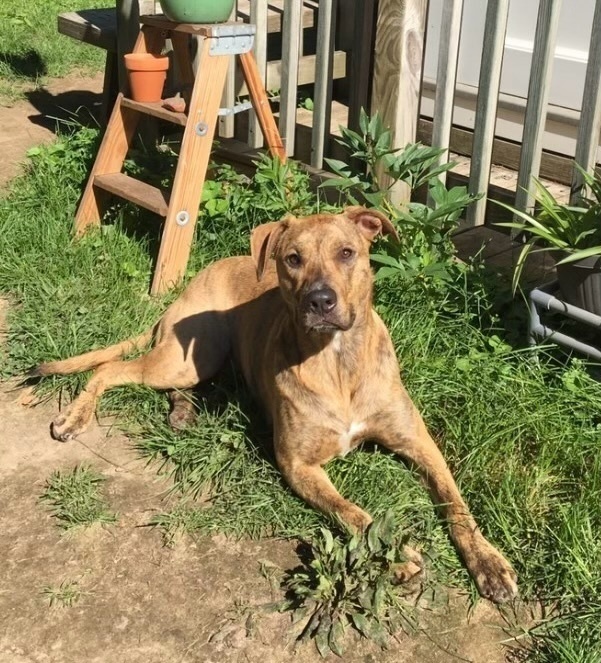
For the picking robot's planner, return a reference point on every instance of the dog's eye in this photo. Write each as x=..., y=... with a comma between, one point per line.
x=293, y=260
x=346, y=254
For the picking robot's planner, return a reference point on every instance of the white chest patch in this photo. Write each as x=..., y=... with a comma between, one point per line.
x=346, y=439
x=337, y=341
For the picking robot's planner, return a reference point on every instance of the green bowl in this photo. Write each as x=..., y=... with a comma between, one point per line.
x=197, y=11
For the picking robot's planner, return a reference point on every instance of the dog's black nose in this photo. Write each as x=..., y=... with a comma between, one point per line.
x=320, y=301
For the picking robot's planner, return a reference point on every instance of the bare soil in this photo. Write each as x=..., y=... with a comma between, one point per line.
x=202, y=600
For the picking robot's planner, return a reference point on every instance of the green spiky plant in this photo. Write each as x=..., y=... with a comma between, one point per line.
x=572, y=232
x=349, y=584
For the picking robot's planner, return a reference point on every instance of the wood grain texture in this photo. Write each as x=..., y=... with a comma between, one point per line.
x=446, y=77
x=258, y=16
x=191, y=170
x=397, y=72
x=97, y=27
x=324, y=66
x=587, y=142
x=538, y=96
x=290, y=58
x=119, y=132
x=486, y=106
x=138, y=192
x=228, y=98
x=261, y=105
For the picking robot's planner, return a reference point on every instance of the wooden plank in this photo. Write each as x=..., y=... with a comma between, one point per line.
x=324, y=67
x=504, y=152
x=486, y=105
x=97, y=27
x=306, y=73
x=446, y=77
x=138, y=192
x=397, y=73
x=261, y=105
x=228, y=98
x=290, y=58
x=587, y=142
x=361, y=60
x=155, y=109
x=258, y=16
x=275, y=13
x=190, y=174
x=111, y=154
x=128, y=28
x=538, y=95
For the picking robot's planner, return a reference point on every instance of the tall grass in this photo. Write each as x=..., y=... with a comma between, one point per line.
x=31, y=48
x=521, y=431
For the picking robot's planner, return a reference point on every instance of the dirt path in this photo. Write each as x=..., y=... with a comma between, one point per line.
x=201, y=601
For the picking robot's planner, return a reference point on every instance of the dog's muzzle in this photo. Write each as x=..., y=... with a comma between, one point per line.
x=320, y=310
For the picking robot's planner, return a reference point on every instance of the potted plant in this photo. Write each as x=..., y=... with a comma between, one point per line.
x=197, y=11
x=573, y=233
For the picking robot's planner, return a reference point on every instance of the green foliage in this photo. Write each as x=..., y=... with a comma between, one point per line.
x=520, y=431
x=75, y=498
x=572, y=232
x=424, y=252
x=349, y=583
x=32, y=49
x=64, y=595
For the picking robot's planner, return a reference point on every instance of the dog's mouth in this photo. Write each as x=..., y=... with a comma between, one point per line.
x=327, y=324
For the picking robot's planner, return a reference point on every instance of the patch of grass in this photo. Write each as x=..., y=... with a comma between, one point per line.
x=31, y=48
x=75, y=498
x=520, y=429
x=64, y=595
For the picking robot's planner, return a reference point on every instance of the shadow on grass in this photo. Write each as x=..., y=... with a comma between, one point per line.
x=29, y=64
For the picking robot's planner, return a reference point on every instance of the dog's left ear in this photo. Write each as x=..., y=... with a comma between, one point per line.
x=370, y=222
x=263, y=243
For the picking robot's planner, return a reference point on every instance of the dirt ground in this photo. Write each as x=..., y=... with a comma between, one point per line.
x=199, y=601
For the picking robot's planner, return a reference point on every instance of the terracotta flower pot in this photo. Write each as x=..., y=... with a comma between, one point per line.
x=147, y=74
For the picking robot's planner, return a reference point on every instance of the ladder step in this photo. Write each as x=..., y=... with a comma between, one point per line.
x=155, y=109
x=142, y=194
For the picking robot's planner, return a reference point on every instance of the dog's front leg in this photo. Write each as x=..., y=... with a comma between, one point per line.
x=403, y=431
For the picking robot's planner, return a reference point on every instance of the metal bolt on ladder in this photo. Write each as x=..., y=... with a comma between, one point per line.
x=217, y=44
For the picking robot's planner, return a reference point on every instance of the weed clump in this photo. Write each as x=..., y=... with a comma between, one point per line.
x=349, y=583
x=75, y=498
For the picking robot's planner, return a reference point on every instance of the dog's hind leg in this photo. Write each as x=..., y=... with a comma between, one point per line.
x=161, y=368
x=183, y=410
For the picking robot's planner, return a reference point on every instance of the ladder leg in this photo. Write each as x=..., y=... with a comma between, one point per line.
x=190, y=174
x=118, y=136
x=261, y=106
x=111, y=154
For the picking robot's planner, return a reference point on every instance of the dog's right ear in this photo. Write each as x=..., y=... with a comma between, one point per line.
x=263, y=243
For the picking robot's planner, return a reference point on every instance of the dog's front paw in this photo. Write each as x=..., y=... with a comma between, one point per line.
x=70, y=423
x=410, y=570
x=492, y=573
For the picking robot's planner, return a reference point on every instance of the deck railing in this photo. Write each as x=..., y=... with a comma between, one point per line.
x=398, y=85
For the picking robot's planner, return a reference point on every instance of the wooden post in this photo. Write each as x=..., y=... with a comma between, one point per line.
x=446, y=76
x=291, y=26
x=398, y=72
x=324, y=62
x=590, y=115
x=258, y=16
x=538, y=95
x=486, y=106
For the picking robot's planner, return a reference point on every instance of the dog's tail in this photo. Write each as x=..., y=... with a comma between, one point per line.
x=94, y=358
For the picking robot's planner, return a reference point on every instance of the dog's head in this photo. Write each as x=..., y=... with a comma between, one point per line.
x=322, y=264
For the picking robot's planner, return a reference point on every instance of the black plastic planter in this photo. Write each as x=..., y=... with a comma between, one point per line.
x=580, y=283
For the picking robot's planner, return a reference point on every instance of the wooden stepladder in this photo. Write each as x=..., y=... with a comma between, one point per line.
x=217, y=44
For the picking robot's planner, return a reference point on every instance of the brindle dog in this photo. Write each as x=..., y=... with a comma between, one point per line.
x=297, y=316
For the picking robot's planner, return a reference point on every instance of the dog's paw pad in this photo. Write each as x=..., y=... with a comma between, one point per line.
x=494, y=577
